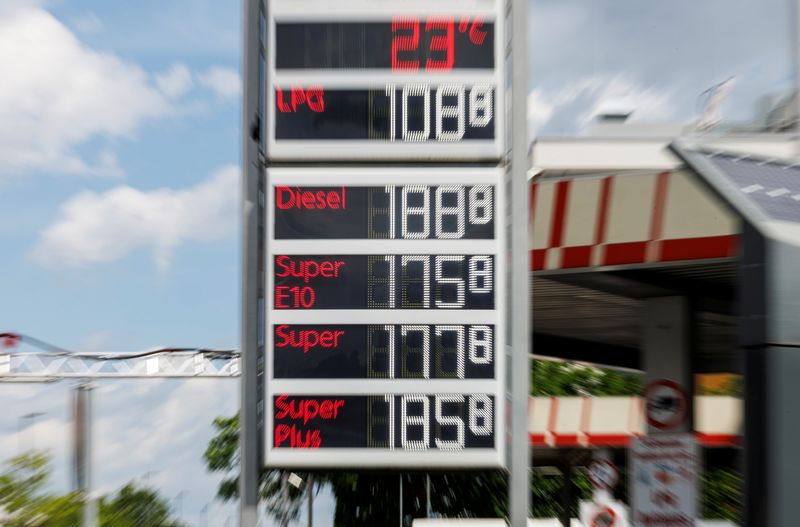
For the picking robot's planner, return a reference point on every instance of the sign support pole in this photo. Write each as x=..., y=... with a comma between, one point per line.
x=401, y=499
x=519, y=312
x=249, y=437
x=83, y=452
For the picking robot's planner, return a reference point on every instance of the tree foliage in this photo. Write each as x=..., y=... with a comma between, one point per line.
x=20, y=485
x=222, y=455
x=371, y=498
x=24, y=501
x=135, y=507
x=552, y=378
x=722, y=494
x=454, y=495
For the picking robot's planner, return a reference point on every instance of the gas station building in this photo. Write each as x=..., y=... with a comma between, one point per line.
x=671, y=254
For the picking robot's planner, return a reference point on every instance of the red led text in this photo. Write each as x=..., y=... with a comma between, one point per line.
x=314, y=97
x=306, y=338
x=305, y=410
x=288, y=198
x=307, y=269
x=405, y=31
x=287, y=297
x=297, y=438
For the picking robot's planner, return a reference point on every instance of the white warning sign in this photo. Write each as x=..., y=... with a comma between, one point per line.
x=664, y=481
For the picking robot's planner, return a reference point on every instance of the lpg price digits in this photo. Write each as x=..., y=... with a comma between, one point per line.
x=444, y=281
x=411, y=113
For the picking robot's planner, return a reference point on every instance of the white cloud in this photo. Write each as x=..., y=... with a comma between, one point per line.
x=167, y=428
x=225, y=82
x=175, y=82
x=95, y=228
x=154, y=426
x=577, y=103
x=56, y=93
x=647, y=103
x=97, y=341
x=88, y=23
x=540, y=109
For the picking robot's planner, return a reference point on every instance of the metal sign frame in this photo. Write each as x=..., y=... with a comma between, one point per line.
x=378, y=457
x=355, y=150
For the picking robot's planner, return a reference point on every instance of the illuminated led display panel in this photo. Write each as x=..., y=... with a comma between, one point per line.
x=384, y=80
x=384, y=303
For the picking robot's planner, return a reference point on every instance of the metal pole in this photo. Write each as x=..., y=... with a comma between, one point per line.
x=794, y=53
x=310, y=483
x=285, y=499
x=83, y=452
x=428, y=495
x=566, y=496
x=401, y=500
x=520, y=312
x=20, y=426
x=250, y=462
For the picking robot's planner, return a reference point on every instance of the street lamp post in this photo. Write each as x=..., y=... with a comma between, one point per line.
x=20, y=427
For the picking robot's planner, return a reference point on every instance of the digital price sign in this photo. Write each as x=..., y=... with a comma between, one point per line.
x=412, y=113
x=409, y=422
x=385, y=81
x=383, y=316
x=405, y=43
x=384, y=351
x=410, y=212
x=405, y=281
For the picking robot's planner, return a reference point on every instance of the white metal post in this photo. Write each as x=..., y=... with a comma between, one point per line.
x=250, y=464
x=310, y=486
x=520, y=312
x=794, y=53
x=83, y=452
x=427, y=495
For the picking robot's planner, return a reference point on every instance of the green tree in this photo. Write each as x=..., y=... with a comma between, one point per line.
x=722, y=494
x=61, y=511
x=222, y=455
x=363, y=498
x=135, y=507
x=24, y=502
x=552, y=378
x=21, y=484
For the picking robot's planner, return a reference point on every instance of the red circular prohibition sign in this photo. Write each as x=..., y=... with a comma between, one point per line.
x=679, y=415
x=605, y=518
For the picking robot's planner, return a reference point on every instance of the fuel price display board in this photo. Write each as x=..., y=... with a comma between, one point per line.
x=383, y=317
x=380, y=80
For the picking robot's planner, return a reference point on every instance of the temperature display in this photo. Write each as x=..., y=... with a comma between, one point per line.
x=384, y=351
x=412, y=113
x=410, y=422
x=444, y=281
x=433, y=44
x=409, y=212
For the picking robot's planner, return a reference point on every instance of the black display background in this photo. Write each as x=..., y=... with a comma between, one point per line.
x=364, y=114
x=352, y=429
x=366, y=214
x=368, y=45
x=363, y=283
x=349, y=358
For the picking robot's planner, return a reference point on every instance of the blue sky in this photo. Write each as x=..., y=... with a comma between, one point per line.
x=119, y=151
x=118, y=215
